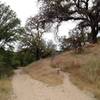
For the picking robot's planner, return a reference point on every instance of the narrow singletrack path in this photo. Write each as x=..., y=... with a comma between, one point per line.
x=26, y=88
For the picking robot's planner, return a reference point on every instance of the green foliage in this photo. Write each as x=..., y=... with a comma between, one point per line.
x=24, y=57
x=35, y=52
x=32, y=45
x=9, y=26
x=9, y=30
x=5, y=63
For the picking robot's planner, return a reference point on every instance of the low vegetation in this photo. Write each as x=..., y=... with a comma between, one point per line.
x=5, y=89
x=83, y=68
x=42, y=71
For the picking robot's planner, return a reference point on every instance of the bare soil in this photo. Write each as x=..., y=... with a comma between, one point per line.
x=26, y=88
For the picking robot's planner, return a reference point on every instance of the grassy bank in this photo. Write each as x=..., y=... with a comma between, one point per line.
x=84, y=68
x=5, y=89
x=42, y=71
x=5, y=82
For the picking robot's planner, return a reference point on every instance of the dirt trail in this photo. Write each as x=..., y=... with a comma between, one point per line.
x=26, y=88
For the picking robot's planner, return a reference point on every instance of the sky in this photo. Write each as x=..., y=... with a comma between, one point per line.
x=23, y=8
x=26, y=8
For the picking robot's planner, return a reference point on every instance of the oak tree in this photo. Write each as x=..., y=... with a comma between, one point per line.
x=87, y=12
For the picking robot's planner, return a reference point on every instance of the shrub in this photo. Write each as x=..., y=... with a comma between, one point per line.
x=5, y=64
x=5, y=71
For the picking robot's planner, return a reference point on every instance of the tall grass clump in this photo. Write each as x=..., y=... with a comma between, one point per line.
x=91, y=70
x=5, y=89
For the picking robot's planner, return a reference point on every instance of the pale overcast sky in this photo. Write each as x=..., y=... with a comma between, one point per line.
x=23, y=8
x=26, y=8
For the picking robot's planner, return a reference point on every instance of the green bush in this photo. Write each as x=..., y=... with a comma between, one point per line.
x=5, y=71
x=5, y=63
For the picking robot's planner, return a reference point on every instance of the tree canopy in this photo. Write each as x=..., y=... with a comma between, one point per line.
x=9, y=26
x=9, y=30
x=32, y=39
x=87, y=12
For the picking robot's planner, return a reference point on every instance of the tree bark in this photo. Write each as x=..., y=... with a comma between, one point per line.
x=37, y=54
x=94, y=34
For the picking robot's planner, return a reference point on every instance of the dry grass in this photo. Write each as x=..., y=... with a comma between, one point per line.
x=43, y=72
x=84, y=68
x=5, y=89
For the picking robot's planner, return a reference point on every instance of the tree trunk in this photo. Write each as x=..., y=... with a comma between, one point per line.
x=37, y=54
x=94, y=34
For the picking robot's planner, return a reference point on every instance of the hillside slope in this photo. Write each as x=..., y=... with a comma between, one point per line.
x=84, y=69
